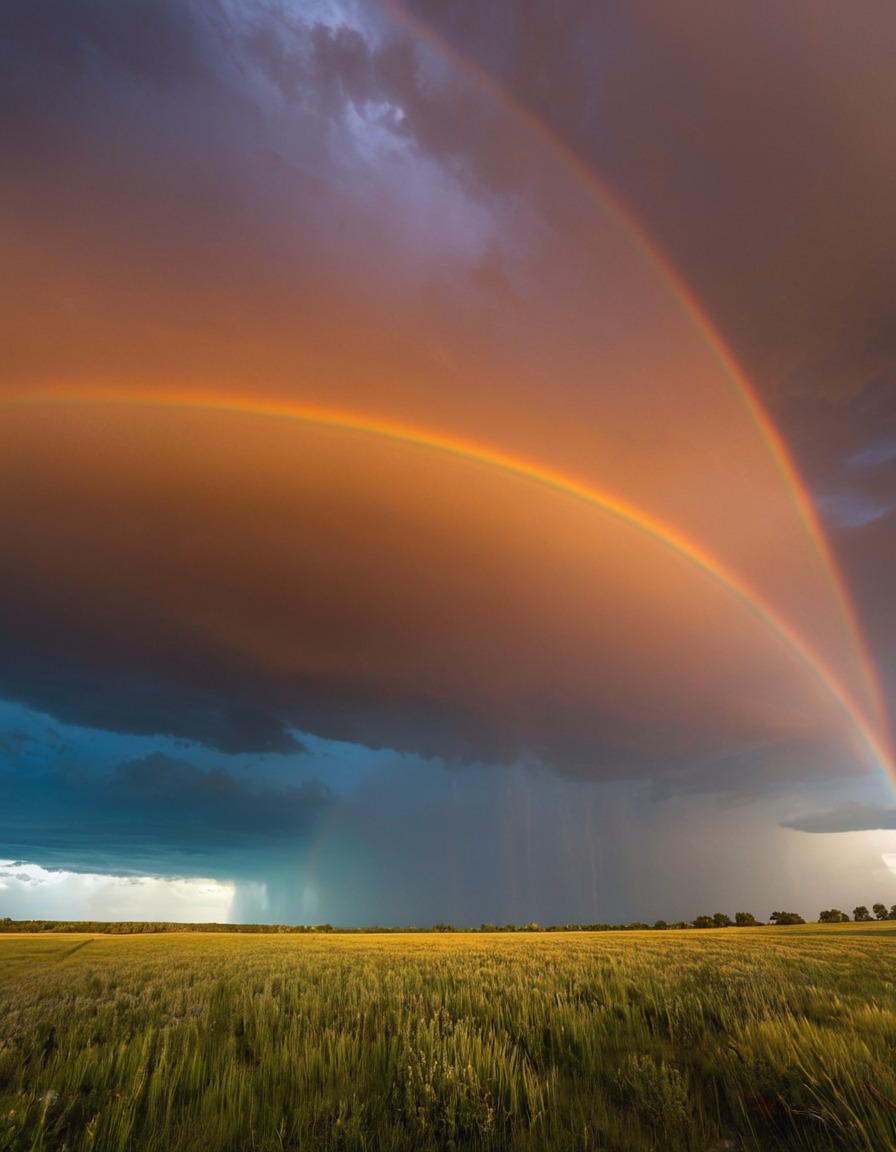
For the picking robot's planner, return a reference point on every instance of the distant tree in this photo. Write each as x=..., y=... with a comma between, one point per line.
x=861, y=913
x=786, y=918
x=660, y=925
x=487, y=928
x=704, y=922
x=720, y=920
x=440, y=927
x=892, y=915
x=832, y=916
x=745, y=920
x=880, y=911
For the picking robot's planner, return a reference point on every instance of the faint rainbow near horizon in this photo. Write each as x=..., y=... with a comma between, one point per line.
x=635, y=518
x=650, y=251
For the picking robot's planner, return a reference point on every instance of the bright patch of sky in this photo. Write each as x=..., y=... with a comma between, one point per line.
x=30, y=892
x=331, y=13
x=425, y=204
x=874, y=455
x=851, y=510
x=370, y=160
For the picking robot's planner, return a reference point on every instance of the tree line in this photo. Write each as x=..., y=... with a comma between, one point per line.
x=860, y=914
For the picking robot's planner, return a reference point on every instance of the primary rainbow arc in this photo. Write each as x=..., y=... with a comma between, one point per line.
x=610, y=504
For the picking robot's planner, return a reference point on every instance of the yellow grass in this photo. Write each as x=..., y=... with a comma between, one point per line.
x=751, y=1039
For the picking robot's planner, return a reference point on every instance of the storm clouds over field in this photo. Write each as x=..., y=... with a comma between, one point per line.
x=447, y=459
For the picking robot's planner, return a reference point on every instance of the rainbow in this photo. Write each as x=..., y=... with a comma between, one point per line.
x=648, y=249
x=634, y=517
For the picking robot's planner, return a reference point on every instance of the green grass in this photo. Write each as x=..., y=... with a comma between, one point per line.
x=751, y=1039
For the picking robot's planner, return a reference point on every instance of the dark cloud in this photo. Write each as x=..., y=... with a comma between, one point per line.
x=310, y=582
x=12, y=743
x=847, y=817
x=867, y=554
x=237, y=198
x=159, y=815
x=757, y=149
x=119, y=701
x=315, y=64
x=53, y=52
x=714, y=129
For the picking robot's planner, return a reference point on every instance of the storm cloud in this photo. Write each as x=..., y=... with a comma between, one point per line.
x=848, y=817
x=157, y=815
x=427, y=397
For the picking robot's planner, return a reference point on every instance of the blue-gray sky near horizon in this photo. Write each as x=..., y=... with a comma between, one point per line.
x=389, y=536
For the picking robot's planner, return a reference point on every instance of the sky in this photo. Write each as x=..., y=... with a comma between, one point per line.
x=447, y=460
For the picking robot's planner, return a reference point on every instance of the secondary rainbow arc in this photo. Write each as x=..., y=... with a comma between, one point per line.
x=638, y=235
x=610, y=504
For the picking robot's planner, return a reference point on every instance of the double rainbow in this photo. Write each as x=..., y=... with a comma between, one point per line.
x=609, y=202
x=870, y=725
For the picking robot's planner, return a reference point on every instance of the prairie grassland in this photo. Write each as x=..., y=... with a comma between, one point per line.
x=751, y=1039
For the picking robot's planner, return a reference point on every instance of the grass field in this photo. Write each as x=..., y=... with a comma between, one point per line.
x=751, y=1039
